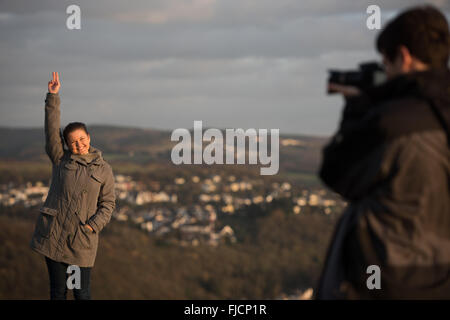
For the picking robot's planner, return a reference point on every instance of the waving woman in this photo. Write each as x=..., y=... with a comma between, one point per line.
x=79, y=204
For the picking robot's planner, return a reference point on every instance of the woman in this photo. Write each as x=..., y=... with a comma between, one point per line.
x=79, y=204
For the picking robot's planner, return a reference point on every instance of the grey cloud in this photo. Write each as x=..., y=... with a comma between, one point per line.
x=243, y=64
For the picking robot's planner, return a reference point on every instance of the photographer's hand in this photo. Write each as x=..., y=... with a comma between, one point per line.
x=346, y=91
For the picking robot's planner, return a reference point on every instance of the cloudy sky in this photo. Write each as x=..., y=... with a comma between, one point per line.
x=165, y=63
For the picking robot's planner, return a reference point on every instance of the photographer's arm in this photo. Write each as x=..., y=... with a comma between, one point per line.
x=349, y=163
x=53, y=141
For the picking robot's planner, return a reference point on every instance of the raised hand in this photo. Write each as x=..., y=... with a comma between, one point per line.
x=53, y=86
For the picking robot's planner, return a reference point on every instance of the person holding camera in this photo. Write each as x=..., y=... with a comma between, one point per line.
x=79, y=204
x=390, y=160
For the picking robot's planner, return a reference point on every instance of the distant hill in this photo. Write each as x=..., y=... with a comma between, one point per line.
x=28, y=144
x=122, y=144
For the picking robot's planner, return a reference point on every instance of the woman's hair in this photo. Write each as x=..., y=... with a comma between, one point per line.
x=72, y=127
x=423, y=30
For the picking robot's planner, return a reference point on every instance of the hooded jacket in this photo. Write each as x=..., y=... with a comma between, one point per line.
x=390, y=161
x=81, y=192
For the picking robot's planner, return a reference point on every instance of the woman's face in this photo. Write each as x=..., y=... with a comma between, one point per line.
x=79, y=141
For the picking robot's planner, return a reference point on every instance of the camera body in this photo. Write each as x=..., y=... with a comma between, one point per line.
x=369, y=74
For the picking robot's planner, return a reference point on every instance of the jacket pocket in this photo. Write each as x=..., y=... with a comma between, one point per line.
x=83, y=238
x=46, y=221
x=97, y=177
x=67, y=176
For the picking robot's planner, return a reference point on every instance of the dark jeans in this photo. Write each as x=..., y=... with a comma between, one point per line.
x=58, y=275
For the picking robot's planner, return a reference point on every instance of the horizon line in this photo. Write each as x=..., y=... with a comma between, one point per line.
x=161, y=129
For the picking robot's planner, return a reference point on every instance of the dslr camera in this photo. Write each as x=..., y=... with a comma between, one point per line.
x=369, y=74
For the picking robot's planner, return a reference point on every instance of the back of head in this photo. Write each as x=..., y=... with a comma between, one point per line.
x=423, y=30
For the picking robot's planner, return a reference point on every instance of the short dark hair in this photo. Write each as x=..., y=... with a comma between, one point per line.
x=423, y=30
x=72, y=127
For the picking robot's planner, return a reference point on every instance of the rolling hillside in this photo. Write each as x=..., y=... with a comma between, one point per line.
x=141, y=146
x=276, y=254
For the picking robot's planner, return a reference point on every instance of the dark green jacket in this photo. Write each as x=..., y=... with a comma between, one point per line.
x=81, y=192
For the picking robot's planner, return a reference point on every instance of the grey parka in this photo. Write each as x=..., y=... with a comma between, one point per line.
x=81, y=192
